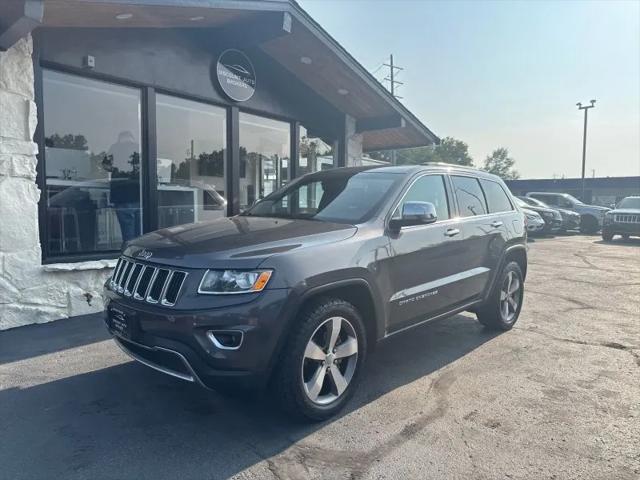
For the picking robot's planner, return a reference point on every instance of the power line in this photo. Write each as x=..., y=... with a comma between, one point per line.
x=391, y=78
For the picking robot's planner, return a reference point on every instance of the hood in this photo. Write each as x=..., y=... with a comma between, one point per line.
x=626, y=211
x=540, y=209
x=235, y=242
x=567, y=213
x=593, y=207
x=530, y=211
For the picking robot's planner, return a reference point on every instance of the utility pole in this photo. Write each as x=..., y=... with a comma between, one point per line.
x=393, y=82
x=584, y=140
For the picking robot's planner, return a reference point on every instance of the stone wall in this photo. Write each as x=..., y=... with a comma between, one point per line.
x=354, y=145
x=29, y=291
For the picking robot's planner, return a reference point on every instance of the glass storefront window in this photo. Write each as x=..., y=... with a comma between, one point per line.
x=264, y=157
x=315, y=154
x=191, y=143
x=92, y=157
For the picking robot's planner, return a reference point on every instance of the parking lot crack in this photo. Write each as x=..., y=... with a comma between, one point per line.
x=613, y=345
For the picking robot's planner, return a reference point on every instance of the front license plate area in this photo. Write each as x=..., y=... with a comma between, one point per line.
x=122, y=323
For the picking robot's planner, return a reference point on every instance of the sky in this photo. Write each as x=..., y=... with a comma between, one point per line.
x=509, y=74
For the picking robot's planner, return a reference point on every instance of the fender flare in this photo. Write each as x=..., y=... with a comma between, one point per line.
x=509, y=249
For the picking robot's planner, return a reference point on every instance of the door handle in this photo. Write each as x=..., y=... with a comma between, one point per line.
x=496, y=224
x=452, y=232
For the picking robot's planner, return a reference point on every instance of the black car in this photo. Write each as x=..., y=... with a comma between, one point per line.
x=623, y=220
x=552, y=217
x=295, y=292
x=570, y=220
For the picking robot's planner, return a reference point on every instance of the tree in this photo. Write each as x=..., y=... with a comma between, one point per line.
x=501, y=164
x=450, y=150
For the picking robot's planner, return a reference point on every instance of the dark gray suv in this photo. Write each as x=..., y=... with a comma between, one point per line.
x=296, y=291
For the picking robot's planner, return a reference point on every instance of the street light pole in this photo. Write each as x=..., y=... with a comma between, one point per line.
x=584, y=140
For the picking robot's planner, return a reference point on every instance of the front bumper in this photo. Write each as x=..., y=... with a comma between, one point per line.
x=176, y=342
x=618, y=228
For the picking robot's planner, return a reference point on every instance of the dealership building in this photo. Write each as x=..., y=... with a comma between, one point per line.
x=119, y=117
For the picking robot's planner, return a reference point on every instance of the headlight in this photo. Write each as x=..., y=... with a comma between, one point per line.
x=234, y=281
x=531, y=217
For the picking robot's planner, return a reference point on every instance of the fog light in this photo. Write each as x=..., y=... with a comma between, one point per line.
x=226, y=339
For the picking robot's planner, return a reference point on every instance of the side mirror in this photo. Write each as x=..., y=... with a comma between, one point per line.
x=414, y=213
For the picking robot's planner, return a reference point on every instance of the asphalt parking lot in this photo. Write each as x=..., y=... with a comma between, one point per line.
x=557, y=397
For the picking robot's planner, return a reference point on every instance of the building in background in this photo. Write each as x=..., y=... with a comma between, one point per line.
x=603, y=191
x=120, y=117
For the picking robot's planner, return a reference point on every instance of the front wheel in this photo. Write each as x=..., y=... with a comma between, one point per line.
x=502, y=308
x=607, y=236
x=321, y=361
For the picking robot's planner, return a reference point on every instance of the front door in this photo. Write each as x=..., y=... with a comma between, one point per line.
x=423, y=262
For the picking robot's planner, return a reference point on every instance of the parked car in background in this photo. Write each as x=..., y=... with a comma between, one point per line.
x=533, y=220
x=591, y=216
x=294, y=292
x=552, y=218
x=570, y=220
x=623, y=220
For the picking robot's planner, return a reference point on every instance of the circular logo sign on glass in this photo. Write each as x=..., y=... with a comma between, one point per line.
x=236, y=75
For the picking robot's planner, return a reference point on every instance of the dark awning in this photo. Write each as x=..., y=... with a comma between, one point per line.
x=285, y=32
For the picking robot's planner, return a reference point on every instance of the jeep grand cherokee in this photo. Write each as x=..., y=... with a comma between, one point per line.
x=296, y=291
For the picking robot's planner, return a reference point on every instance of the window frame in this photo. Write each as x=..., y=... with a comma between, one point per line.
x=451, y=204
x=486, y=197
x=148, y=158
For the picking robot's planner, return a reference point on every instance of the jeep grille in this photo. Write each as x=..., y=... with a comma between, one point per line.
x=625, y=218
x=148, y=283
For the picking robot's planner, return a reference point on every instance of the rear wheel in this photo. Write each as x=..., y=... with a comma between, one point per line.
x=321, y=361
x=502, y=308
x=589, y=224
x=607, y=236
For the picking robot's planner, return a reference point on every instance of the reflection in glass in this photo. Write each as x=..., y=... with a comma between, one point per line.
x=92, y=157
x=191, y=157
x=264, y=157
x=315, y=153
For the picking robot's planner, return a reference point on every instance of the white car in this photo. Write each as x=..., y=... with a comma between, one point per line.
x=534, y=221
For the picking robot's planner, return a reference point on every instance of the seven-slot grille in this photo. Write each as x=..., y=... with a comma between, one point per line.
x=153, y=284
x=626, y=218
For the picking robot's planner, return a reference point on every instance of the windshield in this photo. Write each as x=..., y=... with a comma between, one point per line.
x=342, y=198
x=630, y=202
x=572, y=199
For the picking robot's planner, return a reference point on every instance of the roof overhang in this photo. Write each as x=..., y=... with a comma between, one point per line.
x=280, y=28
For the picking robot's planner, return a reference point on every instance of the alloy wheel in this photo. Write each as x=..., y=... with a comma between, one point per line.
x=329, y=361
x=510, y=297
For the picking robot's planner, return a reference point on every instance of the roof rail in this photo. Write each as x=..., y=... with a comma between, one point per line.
x=455, y=165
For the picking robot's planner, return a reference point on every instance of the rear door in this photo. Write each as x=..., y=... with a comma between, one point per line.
x=479, y=229
x=423, y=258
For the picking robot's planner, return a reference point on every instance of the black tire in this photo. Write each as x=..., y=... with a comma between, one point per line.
x=607, y=236
x=288, y=382
x=589, y=224
x=490, y=314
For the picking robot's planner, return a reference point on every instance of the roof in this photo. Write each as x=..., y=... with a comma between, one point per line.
x=280, y=28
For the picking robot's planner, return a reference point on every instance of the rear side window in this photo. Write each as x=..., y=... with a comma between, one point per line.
x=471, y=200
x=429, y=188
x=497, y=199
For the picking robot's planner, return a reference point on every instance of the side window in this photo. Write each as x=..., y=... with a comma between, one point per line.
x=497, y=199
x=470, y=197
x=548, y=199
x=429, y=188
